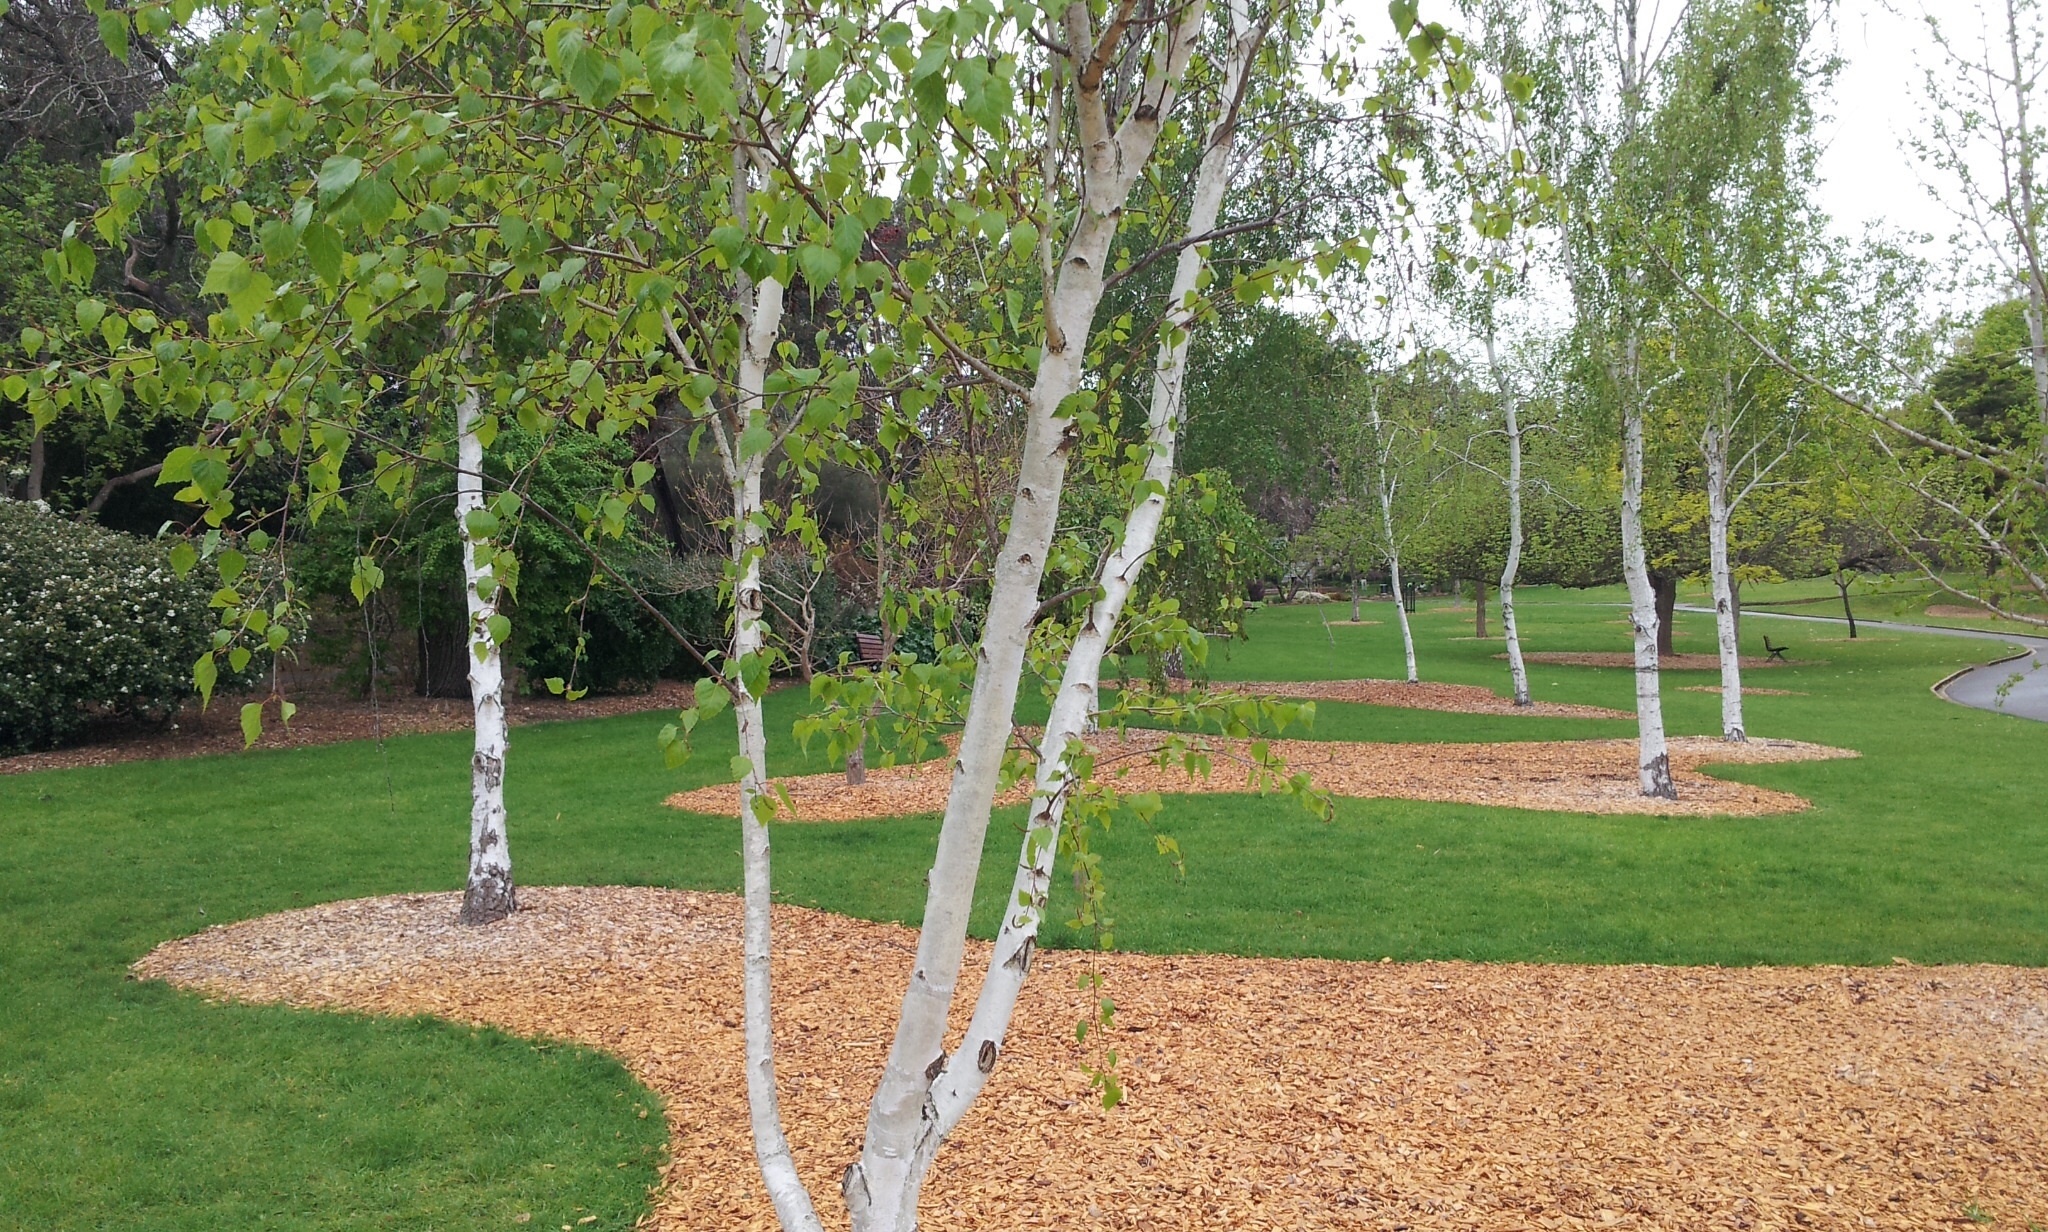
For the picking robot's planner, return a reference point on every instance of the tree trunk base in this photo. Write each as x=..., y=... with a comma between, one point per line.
x=487, y=901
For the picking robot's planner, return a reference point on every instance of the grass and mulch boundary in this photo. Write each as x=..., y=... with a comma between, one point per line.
x=1261, y=1094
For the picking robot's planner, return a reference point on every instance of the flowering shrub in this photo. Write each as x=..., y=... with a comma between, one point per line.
x=92, y=621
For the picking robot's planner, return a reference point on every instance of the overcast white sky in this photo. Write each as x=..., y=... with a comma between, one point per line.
x=1869, y=176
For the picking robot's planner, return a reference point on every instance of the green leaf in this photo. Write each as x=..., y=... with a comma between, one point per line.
x=231, y=564
x=500, y=627
x=32, y=340
x=337, y=174
x=821, y=266
x=183, y=557
x=252, y=722
x=114, y=33
x=89, y=313
x=228, y=274
x=204, y=673
x=280, y=240
x=323, y=249
x=643, y=472
x=1403, y=13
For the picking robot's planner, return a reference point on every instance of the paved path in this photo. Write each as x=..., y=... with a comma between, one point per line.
x=2026, y=696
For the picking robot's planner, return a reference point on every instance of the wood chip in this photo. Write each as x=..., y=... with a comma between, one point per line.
x=1572, y=776
x=1422, y=695
x=1264, y=1095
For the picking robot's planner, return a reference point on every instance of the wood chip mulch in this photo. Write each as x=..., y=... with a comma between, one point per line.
x=1263, y=1094
x=324, y=718
x=1423, y=695
x=1680, y=662
x=1747, y=690
x=1572, y=776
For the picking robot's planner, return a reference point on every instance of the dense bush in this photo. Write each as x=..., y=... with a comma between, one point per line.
x=91, y=621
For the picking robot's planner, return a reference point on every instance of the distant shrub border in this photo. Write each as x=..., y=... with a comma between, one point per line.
x=92, y=622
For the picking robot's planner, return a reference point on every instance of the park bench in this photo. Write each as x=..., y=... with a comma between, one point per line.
x=868, y=647
x=1777, y=652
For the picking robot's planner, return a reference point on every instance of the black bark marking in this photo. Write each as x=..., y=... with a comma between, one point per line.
x=937, y=1067
x=985, y=1060
x=1021, y=958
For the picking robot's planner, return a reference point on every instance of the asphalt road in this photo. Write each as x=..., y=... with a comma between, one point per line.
x=2023, y=680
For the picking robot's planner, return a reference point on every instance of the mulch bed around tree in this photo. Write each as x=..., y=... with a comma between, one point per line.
x=1263, y=1094
x=1680, y=662
x=1422, y=695
x=324, y=717
x=1572, y=776
x=1747, y=690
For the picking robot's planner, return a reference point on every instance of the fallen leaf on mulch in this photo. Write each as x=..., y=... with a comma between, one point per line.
x=1263, y=1094
x=1681, y=662
x=1572, y=776
x=1422, y=695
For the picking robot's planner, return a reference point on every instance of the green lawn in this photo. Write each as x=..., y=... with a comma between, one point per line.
x=124, y=1105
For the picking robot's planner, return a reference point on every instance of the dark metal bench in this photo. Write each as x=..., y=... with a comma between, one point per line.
x=1777, y=652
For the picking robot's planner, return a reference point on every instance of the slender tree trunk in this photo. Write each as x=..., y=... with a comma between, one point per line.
x=1518, y=671
x=1724, y=586
x=1848, y=613
x=1666, y=585
x=758, y=307
x=1401, y=611
x=903, y=1132
x=487, y=896
x=36, y=464
x=1076, y=703
x=1479, y=607
x=1652, y=758
x=1354, y=601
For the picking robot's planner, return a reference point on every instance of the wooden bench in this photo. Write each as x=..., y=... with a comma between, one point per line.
x=868, y=648
x=1776, y=652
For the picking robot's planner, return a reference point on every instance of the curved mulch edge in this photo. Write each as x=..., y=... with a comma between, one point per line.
x=1570, y=776
x=1263, y=1094
x=1422, y=695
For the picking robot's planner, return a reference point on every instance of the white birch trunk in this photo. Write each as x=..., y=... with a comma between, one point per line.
x=759, y=309
x=1716, y=450
x=1394, y=576
x=487, y=896
x=882, y=1187
x=793, y=1206
x=1518, y=671
x=1075, y=705
x=1653, y=760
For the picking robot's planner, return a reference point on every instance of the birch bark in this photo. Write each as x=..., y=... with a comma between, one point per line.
x=758, y=306
x=1075, y=704
x=1653, y=759
x=1715, y=442
x=1387, y=491
x=487, y=895
x=1518, y=671
x=881, y=1187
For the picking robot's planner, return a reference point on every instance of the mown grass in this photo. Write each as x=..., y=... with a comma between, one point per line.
x=125, y=1105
